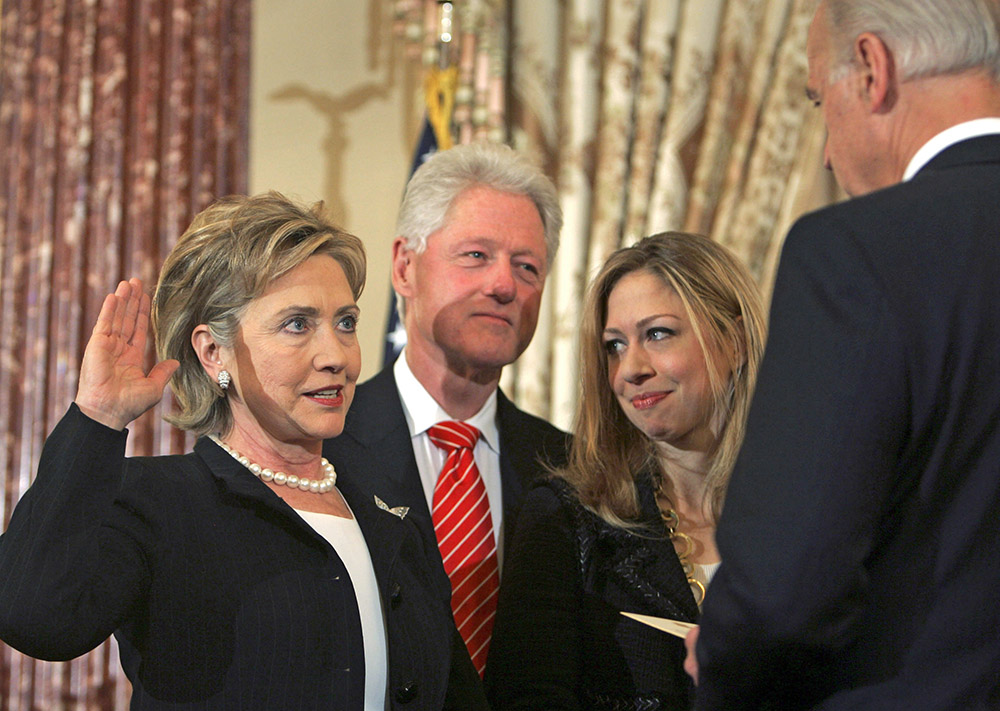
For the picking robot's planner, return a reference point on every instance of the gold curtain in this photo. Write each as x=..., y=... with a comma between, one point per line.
x=119, y=119
x=651, y=115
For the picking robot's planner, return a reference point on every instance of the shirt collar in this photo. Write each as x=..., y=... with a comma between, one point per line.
x=949, y=137
x=422, y=411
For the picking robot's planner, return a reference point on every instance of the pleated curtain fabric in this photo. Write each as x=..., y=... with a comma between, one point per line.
x=464, y=529
x=119, y=120
x=650, y=115
x=655, y=115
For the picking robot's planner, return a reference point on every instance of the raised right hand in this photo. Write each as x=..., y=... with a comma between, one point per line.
x=114, y=388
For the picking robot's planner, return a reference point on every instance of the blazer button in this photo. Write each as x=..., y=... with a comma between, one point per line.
x=407, y=692
x=395, y=596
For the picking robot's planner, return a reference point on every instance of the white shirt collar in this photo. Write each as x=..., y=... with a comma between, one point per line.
x=949, y=137
x=422, y=411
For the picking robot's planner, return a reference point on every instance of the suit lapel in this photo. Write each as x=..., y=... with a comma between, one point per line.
x=649, y=572
x=515, y=471
x=238, y=481
x=384, y=464
x=520, y=447
x=665, y=572
x=637, y=571
x=234, y=477
x=384, y=532
x=378, y=459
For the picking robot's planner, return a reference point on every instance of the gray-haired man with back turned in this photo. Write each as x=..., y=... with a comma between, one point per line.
x=860, y=540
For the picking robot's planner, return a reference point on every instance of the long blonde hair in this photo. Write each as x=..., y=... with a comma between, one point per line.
x=724, y=307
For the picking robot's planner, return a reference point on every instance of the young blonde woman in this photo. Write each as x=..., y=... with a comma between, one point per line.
x=672, y=336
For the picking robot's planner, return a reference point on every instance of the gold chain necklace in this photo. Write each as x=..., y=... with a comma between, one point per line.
x=684, y=547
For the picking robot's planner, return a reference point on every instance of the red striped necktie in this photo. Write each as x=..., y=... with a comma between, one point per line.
x=464, y=531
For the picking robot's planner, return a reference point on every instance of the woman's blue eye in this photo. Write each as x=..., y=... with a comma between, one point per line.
x=296, y=324
x=348, y=323
x=613, y=347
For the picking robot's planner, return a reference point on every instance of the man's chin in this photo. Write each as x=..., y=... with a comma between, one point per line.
x=482, y=363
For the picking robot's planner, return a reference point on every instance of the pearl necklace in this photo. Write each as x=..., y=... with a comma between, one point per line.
x=313, y=486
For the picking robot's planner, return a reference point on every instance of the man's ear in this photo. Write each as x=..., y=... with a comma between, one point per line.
x=402, y=267
x=877, y=70
x=208, y=350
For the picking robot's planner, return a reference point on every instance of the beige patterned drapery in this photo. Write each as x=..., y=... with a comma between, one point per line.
x=651, y=115
x=119, y=119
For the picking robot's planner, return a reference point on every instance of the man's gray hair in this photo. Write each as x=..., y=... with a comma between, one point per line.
x=926, y=37
x=445, y=175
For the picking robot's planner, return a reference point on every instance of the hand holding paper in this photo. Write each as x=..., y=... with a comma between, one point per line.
x=688, y=631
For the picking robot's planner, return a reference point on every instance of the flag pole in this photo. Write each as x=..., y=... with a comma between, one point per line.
x=440, y=84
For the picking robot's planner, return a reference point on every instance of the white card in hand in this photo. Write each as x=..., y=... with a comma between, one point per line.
x=674, y=627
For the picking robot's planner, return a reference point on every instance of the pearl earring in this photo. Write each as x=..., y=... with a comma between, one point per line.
x=224, y=378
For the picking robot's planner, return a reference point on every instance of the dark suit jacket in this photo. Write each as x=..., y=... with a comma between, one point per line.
x=860, y=537
x=376, y=454
x=560, y=640
x=220, y=596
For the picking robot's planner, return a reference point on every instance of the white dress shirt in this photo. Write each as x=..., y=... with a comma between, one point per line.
x=422, y=412
x=949, y=137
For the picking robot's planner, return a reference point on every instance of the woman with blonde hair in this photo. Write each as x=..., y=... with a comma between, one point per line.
x=243, y=574
x=672, y=337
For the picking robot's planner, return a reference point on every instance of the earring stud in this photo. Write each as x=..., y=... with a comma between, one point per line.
x=224, y=379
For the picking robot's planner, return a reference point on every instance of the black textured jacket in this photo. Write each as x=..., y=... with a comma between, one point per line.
x=560, y=641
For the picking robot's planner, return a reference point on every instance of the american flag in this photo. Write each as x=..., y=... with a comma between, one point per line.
x=395, y=334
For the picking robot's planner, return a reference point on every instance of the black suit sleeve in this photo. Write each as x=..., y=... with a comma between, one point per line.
x=534, y=660
x=816, y=473
x=71, y=565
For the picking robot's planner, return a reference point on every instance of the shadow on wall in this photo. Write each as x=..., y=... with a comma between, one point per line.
x=334, y=109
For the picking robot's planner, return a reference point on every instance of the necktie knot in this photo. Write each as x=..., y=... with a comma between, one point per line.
x=450, y=435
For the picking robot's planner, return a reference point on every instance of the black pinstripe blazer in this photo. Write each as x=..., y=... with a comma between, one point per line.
x=220, y=596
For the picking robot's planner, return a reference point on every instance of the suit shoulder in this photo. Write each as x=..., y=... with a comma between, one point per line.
x=943, y=223
x=153, y=477
x=919, y=203
x=376, y=390
x=542, y=427
x=511, y=414
x=531, y=433
x=550, y=502
x=375, y=414
x=165, y=465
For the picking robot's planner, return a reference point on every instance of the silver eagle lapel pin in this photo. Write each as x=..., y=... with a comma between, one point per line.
x=400, y=511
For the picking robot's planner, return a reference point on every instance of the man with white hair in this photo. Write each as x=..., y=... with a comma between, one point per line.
x=860, y=539
x=477, y=232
